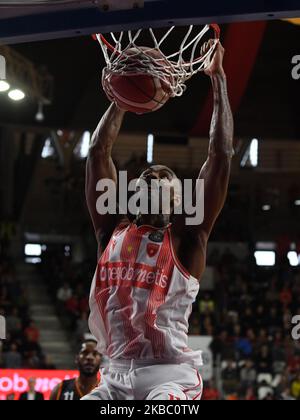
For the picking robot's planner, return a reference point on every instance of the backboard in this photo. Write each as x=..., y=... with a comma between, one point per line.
x=32, y=20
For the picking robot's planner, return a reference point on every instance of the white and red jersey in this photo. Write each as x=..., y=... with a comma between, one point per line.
x=141, y=298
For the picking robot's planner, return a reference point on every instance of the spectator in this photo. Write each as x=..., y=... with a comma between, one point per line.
x=222, y=346
x=64, y=293
x=265, y=391
x=264, y=360
x=243, y=345
x=83, y=305
x=286, y=297
x=247, y=319
x=260, y=319
x=248, y=374
x=262, y=338
x=274, y=320
x=33, y=360
x=210, y=392
x=278, y=351
x=82, y=327
x=295, y=387
x=250, y=394
x=283, y=387
x=230, y=377
x=13, y=322
x=32, y=333
x=72, y=305
x=195, y=325
x=12, y=358
x=287, y=319
x=47, y=363
x=206, y=305
x=286, y=395
x=31, y=394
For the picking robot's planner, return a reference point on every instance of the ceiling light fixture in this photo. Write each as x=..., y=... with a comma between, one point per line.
x=16, y=95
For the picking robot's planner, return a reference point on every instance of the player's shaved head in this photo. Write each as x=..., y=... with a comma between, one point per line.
x=160, y=170
x=88, y=342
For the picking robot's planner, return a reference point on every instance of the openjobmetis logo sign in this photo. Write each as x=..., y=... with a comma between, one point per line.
x=2, y=328
x=2, y=68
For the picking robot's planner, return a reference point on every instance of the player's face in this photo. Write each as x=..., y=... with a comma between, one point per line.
x=31, y=384
x=166, y=178
x=89, y=359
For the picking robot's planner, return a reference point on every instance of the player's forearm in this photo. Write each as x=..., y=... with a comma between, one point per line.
x=221, y=131
x=107, y=131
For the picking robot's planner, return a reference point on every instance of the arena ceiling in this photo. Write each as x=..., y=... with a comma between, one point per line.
x=259, y=65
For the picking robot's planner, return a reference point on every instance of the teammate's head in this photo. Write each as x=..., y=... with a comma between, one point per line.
x=170, y=187
x=88, y=359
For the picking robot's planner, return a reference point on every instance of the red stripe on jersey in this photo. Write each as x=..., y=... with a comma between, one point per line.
x=132, y=346
x=157, y=298
x=129, y=253
x=172, y=397
x=102, y=292
x=197, y=396
x=196, y=387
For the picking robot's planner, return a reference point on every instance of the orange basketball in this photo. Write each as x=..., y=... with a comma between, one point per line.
x=139, y=93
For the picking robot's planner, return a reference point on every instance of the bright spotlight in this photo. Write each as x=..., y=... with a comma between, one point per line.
x=33, y=250
x=4, y=86
x=40, y=114
x=293, y=258
x=254, y=153
x=265, y=258
x=266, y=207
x=16, y=95
x=150, y=148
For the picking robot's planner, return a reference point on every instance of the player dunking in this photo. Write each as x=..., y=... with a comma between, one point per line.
x=149, y=271
x=88, y=361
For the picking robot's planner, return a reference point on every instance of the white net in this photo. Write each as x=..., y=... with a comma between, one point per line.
x=124, y=56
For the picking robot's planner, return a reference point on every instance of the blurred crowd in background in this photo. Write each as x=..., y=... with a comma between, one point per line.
x=21, y=349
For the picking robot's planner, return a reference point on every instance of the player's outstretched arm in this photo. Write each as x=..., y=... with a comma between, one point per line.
x=101, y=166
x=216, y=170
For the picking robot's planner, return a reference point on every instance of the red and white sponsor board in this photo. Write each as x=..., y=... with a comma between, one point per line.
x=16, y=380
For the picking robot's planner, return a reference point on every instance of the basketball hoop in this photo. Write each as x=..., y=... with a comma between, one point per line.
x=125, y=57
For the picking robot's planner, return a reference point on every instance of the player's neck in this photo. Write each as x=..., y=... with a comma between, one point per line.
x=157, y=221
x=88, y=382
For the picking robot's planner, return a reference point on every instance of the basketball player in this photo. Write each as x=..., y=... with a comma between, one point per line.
x=88, y=361
x=149, y=269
